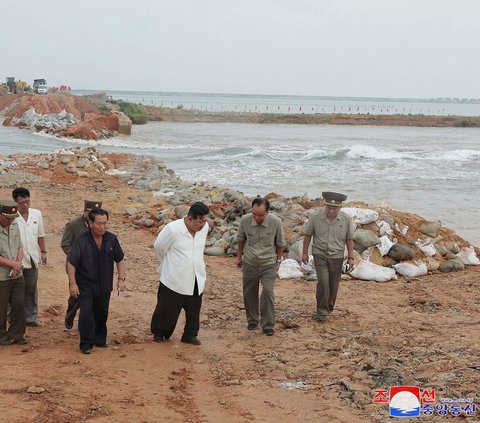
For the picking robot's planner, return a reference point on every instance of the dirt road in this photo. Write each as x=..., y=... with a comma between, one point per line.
x=421, y=332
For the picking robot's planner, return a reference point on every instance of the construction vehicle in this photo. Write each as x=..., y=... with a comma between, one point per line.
x=11, y=84
x=16, y=87
x=42, y=84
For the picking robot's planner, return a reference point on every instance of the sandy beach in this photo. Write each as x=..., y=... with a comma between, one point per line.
x=421, y=331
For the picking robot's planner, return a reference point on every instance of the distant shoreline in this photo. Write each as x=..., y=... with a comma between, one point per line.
x=182, y=115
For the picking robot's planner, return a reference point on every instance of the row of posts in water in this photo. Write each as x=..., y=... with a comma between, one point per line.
x=297, y=109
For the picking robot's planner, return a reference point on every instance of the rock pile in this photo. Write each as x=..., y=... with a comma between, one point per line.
x=84, y=162
x=58, y=124
x=53, y=122
x=63, y=116
x=383, y=238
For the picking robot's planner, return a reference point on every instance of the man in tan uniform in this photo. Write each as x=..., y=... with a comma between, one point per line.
x=12, y=284
x=331, y=230
x=260, y=242
x=72, y=230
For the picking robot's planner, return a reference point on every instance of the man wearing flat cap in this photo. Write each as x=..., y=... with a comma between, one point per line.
x=72, y=230
x=331, y=230
x=12, y=284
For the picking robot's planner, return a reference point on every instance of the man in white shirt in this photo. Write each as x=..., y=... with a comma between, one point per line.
x=179, y=247
x=32, y=233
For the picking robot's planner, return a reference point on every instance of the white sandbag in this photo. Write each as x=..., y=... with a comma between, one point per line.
x=289, y=269
x=368, y=271
x=426, y=247
x=384, y=228
x=403, y=229
x=411, y=270
x=385, y=245
x=361, y=216
x=468, y=256
x=310, y=266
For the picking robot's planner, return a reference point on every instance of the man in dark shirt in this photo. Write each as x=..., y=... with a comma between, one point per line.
x=73, y=229
x=90, y=273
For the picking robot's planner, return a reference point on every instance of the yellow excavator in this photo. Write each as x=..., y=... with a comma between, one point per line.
x=15, y=87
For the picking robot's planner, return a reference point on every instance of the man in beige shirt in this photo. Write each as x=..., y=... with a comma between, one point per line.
x=260, y=249
x=12, y=284
x=331, y=230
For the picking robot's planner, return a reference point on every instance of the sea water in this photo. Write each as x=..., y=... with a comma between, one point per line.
x=297, y=104
x=434, y=172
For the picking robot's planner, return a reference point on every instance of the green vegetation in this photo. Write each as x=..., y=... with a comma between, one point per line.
x=104, y=109
x=465, y=122
x=136, y=114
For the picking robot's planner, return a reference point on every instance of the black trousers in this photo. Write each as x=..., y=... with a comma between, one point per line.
x=169, y=305
x=92, y=322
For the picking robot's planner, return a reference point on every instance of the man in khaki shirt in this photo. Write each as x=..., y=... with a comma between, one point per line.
x=12, y=284
x=260, y=242
x=331, y=229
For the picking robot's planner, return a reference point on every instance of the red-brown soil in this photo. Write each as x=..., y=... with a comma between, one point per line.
x=94, y=121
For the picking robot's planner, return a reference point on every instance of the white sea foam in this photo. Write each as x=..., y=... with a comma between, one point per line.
x=367, y=151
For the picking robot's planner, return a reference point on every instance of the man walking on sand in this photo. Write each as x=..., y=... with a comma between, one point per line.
x=260, y=249
x=179, y=247
x=30, y=223
x=72, y=230
x=12, y=285
x=90, y=273
x=331, y=230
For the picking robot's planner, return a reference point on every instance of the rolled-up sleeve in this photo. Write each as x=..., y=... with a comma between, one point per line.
x=280, y=236
x=118, y=252
x=308, y=227
x=241, y=231
x=75, y=254
x=351, y=229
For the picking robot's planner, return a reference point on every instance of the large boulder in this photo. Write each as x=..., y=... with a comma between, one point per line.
x=401, y=252
x=214, y=251
x=365, y=238
x=453, y=265
x=431, y=229
x=124, y=124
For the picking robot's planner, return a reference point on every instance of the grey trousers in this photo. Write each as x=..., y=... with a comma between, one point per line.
x=12, y=292
x=329, y=272
x=31, y=294
x=252, y=276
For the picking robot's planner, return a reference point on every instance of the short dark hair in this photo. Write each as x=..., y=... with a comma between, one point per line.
x=97, y=212
x=259, y=201
x=197, y=210
x=20, y=192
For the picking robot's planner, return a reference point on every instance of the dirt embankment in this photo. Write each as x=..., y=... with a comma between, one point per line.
x=423, y=332
x=87, y=121
x=182, y=115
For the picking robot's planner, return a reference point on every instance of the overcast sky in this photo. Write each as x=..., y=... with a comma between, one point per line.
x=369, y=48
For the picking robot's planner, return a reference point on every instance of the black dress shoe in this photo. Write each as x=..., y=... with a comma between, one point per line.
x=252, y=326
x=85, y=350
x=32, y=324
x=68, y=324
x=6, y=341
x=105, y=345
x=193, y=341
x=269, y=332
x=158, y=338
x=22, y=341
